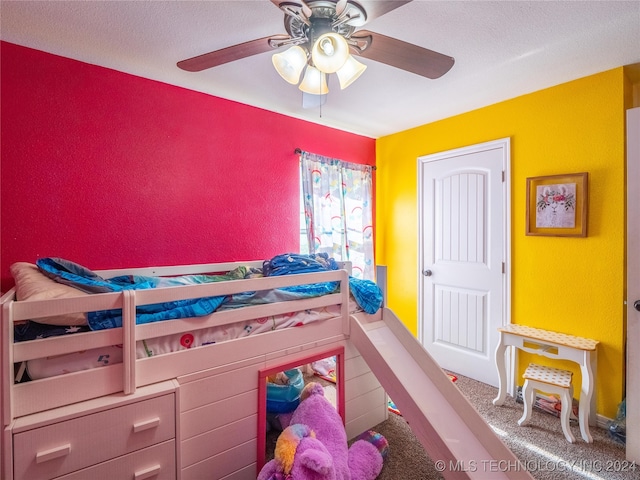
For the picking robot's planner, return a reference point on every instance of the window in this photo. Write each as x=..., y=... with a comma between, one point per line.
x=335, y=211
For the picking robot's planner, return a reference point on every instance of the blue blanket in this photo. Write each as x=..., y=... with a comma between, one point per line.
x=70, y=273
x=366, y=293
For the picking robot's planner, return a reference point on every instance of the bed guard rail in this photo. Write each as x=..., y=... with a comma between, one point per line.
x=13, y=311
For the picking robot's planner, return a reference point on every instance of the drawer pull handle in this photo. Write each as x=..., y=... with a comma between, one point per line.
x=53, y=453
x=146, y=425
x=147, y=473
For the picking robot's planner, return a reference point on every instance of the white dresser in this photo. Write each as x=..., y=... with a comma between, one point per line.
x=113, y=437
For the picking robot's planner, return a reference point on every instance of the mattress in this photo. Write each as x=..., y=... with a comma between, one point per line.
x=100, y=357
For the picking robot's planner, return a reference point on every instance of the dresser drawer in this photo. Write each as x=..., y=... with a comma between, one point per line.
x=157, y=463
x=64, y=447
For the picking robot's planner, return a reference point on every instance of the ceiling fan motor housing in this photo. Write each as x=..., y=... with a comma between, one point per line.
x=323, y=19
x=319, y=26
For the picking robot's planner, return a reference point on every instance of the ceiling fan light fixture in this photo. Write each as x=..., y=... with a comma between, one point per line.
x=320, y=34
x=330, y=52
x=350, y=71
x=290, y=63
x=314, y=82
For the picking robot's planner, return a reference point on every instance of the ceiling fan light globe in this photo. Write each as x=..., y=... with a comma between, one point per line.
x=290, y=63
x=350, y=71
x=314, y=82
x=330, y=52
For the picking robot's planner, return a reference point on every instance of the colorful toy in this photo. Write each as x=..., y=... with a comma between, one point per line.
x=283, y=391
x=314, y=446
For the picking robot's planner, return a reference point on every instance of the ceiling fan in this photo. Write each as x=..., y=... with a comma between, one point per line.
x=322, y=36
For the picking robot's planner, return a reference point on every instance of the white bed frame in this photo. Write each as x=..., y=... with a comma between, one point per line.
x=210, y=392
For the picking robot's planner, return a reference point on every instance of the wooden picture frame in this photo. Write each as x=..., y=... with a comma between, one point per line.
x=557, y=205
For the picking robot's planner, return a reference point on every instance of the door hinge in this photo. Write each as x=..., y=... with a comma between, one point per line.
x=503, y=176
x=504, y=268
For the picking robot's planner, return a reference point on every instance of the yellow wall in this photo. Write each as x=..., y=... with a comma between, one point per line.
x=573, y=285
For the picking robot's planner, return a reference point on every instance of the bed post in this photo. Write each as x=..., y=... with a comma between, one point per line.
x=129, y=341
x=7, y=378
x=381, y=280
x=6, y=375
x=344, y=309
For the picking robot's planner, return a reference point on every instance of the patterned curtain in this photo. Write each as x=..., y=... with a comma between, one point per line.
x=337, y=208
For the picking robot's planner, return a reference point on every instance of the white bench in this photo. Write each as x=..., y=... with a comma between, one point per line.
x=549, y=380
x=556, y=346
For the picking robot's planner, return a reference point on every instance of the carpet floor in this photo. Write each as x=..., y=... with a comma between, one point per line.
x=540, y=446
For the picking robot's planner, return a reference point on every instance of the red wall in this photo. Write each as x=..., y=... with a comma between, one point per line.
x=112, y=170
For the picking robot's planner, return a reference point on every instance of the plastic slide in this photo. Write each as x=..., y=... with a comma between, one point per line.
x=452, y=432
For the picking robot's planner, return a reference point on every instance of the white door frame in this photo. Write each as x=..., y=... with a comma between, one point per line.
x=633, y=286
x=505, y=145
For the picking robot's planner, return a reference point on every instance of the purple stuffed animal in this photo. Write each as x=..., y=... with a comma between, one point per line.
x=314, y=446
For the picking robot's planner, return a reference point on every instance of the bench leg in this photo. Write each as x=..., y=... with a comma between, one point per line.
x=565, y=413
x=528, y=393
x=583, y=419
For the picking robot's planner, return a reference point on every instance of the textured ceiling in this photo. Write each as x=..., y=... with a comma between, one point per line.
x=502, y=49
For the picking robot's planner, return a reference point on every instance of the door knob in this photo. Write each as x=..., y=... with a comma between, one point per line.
x=427, y=273
x=636, y=305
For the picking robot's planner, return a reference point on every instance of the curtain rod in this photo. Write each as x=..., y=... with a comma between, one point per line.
x=298, y=152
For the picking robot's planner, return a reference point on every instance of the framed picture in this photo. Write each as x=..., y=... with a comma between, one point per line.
x=557, y=205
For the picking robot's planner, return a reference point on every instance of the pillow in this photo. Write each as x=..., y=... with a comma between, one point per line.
x=31, y=284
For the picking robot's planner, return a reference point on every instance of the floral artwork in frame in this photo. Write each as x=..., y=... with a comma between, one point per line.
x=557, y=205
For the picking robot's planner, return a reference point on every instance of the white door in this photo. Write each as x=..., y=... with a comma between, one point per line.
x=633, y=285
x=464, y=240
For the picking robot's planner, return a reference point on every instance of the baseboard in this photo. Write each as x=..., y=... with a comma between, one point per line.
x=602, y=421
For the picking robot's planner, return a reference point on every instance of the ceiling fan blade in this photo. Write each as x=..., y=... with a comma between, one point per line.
x=403, y=55
x=306, y=10
x=229, y=54
x=340, y=6
x=377, y=8
x=296, y=5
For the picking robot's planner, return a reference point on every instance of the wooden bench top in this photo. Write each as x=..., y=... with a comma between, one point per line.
x=549, y=375
x=552, y=337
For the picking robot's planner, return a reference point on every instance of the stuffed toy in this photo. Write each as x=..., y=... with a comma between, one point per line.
x=314, y=446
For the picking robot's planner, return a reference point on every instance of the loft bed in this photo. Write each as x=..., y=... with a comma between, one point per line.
x=207, y=367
